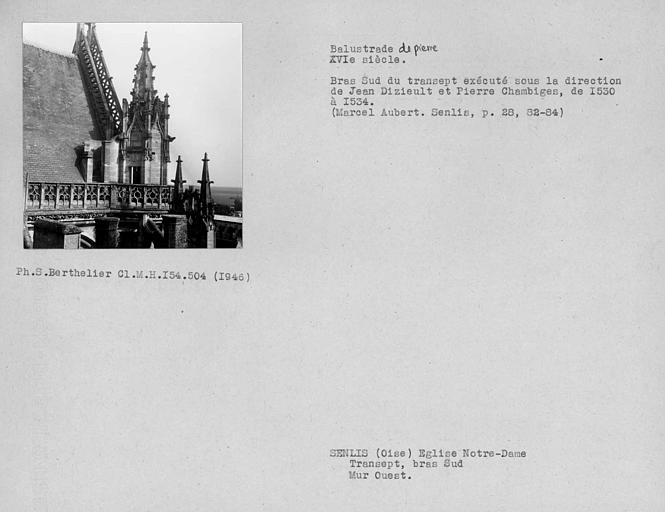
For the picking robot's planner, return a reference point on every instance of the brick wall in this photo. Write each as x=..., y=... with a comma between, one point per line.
x=56, y=116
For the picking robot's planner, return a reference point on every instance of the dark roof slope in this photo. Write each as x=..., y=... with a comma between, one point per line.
x=56, y=115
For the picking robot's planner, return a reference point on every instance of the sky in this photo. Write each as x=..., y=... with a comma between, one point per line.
x=198, y=64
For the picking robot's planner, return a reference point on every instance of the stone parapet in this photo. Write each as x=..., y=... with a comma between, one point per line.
x=51, y=234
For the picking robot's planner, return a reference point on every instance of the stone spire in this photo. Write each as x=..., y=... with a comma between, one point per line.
x=147, y=130
x=206, y=194
x=143, y=77
x=178, y=181
x=178, y=187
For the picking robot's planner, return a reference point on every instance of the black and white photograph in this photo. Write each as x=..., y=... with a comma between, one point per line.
x=132, y=135
x=450, y=287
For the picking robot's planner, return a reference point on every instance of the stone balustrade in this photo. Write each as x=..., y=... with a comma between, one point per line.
x=71, y=197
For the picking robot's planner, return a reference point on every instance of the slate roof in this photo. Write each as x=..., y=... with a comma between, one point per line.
x=56, y=115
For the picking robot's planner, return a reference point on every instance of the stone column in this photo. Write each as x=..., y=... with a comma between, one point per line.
x=175, y=231
x=106, y=232
x=87, y=163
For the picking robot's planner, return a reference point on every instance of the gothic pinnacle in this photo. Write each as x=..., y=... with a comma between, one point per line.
x=178, y=173
x=206, y=195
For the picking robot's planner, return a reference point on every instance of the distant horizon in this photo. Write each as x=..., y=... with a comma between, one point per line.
x=226, y=195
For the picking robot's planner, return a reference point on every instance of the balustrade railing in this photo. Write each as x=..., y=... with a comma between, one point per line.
x=96, y=196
